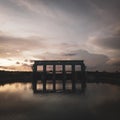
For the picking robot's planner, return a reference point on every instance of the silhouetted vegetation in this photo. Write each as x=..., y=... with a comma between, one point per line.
x=103, y=77
x=12, y=76
x=91, y=77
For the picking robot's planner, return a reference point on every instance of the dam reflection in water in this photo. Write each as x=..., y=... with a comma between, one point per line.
x=99, y=101
x=79, y=87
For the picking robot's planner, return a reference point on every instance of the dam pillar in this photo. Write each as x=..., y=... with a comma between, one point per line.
x=83, y=67
x=64, y=76
x=34, y=79
x=73, y=78
x=44, y=78
x=54, y=79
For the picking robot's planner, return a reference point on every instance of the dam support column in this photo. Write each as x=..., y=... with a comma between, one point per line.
x=34, y=79
x=64, y=77
x=44, y=78
x=83, y=81
x=73, y=78
x=54, y=79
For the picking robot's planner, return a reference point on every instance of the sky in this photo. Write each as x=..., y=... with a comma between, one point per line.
x=86, y=30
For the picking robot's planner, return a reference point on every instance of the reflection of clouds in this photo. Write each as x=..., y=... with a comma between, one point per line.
x=99, y=99
x=15, y=87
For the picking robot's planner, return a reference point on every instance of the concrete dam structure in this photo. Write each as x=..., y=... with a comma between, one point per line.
x=62, y=74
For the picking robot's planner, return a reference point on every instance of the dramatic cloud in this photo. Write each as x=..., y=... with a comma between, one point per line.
x=20, y=43
x=108, y=39
x=13, y=46
x=60, y=29
x=91, y=60
x=111, y=42
x=115, y=62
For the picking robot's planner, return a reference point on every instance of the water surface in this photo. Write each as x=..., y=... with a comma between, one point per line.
x=97, y=102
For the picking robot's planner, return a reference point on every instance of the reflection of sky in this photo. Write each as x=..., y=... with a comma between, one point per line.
x=94, y=92
x=65, y=29
x=17, y=101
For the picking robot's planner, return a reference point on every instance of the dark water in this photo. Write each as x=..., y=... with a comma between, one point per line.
x=98, y=102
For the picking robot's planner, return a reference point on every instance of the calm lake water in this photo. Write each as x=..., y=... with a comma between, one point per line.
x=97, y=102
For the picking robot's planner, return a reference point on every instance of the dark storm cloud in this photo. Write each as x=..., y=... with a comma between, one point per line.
x=110, y=5
x=86, y=14
x=83, y=6
x=93, y=61
x=112, y=42
x=69, y=5
x=92, y=9
x=90, y=58
x=115, y=62
x=117, y=32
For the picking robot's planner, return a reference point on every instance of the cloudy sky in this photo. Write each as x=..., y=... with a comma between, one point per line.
x=60, y=29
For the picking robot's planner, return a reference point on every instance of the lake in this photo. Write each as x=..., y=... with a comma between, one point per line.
x=97, y=102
